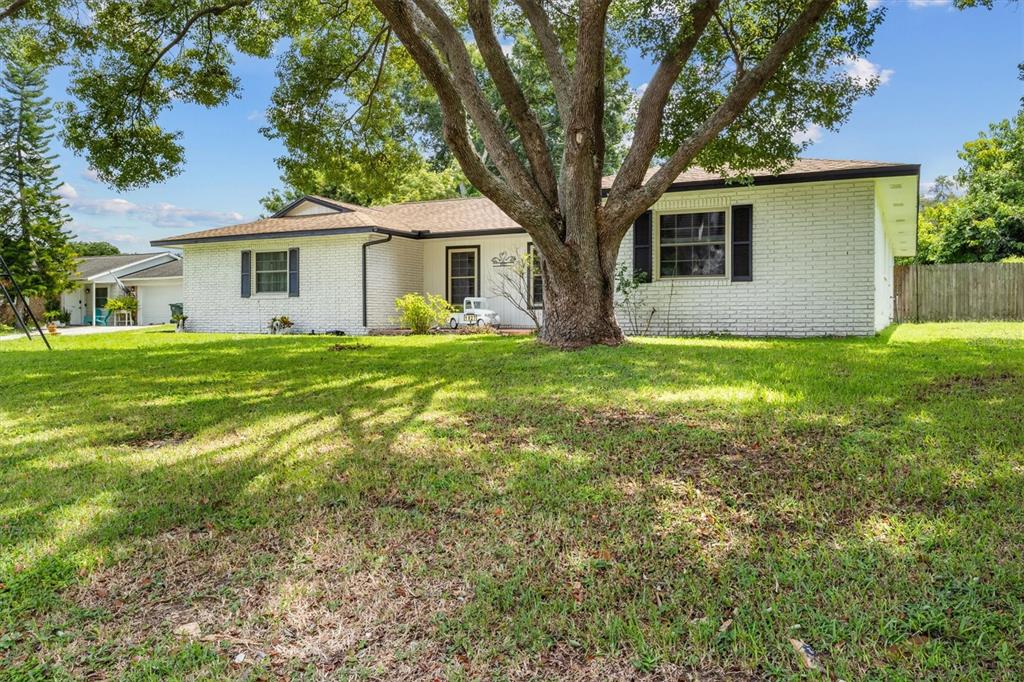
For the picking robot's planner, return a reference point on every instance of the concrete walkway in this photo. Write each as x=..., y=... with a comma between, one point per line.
x=75, y=331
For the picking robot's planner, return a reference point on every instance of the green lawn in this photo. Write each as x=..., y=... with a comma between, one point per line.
x=483, y=507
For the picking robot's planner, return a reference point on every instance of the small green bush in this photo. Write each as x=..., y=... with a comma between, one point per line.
x=1013, y=259
x=422, y=313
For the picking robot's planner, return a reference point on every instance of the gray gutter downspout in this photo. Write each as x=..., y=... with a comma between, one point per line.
x=366, y=244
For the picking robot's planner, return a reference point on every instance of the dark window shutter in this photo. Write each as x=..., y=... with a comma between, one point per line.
x=246, y=274
x=742, y=243
x=293, y=272
x=642, y=246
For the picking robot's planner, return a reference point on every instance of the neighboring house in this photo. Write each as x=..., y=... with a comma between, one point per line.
x=808, y=251
x=153, y=278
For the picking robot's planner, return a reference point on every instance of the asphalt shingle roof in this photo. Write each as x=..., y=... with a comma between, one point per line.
x=90, y=266
x=169, y=269
x=454, y=216
x=799, y=167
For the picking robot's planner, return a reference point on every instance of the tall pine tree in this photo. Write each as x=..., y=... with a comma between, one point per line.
x=33, y=240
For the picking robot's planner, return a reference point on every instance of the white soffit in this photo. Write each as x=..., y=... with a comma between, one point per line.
x=896, y=198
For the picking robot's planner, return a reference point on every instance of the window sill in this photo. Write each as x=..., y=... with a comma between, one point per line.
x=695, y=281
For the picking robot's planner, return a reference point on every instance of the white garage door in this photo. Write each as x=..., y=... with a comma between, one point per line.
x=155, y=302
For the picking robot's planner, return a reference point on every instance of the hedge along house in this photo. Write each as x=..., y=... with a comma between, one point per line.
x=155, y=279
x=808, y=251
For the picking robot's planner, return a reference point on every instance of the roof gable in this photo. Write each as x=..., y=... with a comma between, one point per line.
x=312, y=204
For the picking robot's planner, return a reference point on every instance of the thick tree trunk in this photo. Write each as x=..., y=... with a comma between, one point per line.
x=579, y=305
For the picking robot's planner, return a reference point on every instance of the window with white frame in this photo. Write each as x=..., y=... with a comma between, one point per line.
x=691, y=244
x=271, y=272
x=463, y=273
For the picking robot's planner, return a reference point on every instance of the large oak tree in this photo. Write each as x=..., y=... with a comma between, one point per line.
x=519, y=90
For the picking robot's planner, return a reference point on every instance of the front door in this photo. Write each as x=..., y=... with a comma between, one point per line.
x=84, y=305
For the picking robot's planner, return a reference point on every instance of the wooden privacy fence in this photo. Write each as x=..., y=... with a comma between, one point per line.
x=959, y=291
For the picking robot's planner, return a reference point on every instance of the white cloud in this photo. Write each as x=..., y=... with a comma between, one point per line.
x=161, y=214
x=872, y=4
x=810, y=134
x=91, y=175
x=863, y=71
x=257, y=115
x=126, y=241
x=67, y=192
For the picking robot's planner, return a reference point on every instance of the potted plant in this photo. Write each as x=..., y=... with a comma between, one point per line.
x=280, y=324
x=179, y=321
x=129, y=304
x=52, y=317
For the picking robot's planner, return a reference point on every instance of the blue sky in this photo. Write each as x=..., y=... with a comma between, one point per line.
x=947, y=75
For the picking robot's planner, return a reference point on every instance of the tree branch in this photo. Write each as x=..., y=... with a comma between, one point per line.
x=214, y=10
x=523, y=117
x=647, y=131
x=450, y=43
x=12, y=9
x=401, y=16
x=552, y=53
x=623, y=207
x=730, y=37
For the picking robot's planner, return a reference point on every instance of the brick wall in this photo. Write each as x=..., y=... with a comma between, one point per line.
x=394, y=269
x=813, y=265
x=329, y=286
x=815, y=272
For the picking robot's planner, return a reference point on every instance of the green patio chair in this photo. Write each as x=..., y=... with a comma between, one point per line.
x=102, y=318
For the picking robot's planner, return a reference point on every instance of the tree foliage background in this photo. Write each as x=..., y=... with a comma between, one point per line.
x=979, y=214
x=95, y=248
x=33, y=240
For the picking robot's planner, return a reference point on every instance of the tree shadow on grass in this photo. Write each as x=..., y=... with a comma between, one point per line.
x=668, y=504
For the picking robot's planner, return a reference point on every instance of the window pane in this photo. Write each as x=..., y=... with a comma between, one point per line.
x=692, y=244
x=536, y=278
x=462, y=288
x=269, y=282
x=693, y=227
x=273, y=260
x=463, y=264
x=698, y=260
x=461, y=275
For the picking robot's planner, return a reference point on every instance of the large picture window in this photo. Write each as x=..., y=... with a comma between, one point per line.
x=271, y=272
x=691, y=244
x=463, y=273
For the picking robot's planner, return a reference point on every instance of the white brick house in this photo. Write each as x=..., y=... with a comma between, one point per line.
x=805, y=252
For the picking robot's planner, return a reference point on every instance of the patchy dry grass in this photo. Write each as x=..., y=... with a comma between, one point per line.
x=207, y=507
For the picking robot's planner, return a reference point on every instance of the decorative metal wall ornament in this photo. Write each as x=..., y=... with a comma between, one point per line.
x=503, y=260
